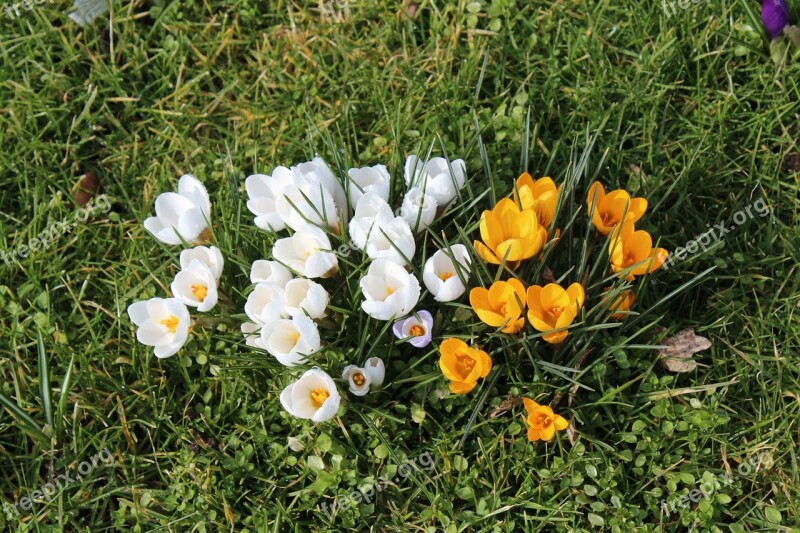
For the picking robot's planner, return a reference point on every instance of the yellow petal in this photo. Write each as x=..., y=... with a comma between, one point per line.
x=459, y=387
x=547, y=433
x=560, y=422
x=485, y=253
x=576, y=294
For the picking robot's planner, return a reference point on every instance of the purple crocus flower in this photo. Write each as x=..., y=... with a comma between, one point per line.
x=415, y=329
x=775, y=16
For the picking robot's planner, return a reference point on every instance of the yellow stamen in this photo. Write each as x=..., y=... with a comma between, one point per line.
x=417, y=331
x=464, y=365
x=171, y=323
x=359, y=379
x=295, y=337
x=444, y=276
x=200, y=292
x=318, y=397
x=389, y=291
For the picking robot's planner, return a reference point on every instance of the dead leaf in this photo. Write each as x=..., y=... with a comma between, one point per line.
x=571, y=435
x=547, y=275
x=411, y=9
x=507, y=405
x=86, y=188
x=677, y=356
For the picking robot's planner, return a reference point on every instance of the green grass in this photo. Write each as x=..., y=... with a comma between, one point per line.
x=689, y=112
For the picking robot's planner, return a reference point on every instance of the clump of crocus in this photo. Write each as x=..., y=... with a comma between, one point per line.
x=553, y=307
x=509, y=232
x=416, y=329
x=463, y=365
x=501, y=305
x=540, y=195
x=542, y=421
x=608, y=210
x=631, y=248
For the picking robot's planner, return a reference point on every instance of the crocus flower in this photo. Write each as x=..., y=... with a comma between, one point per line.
x=357, y=378
x=775, y=16
x=306, y=297
x=195, y=286
x=317, y=171
x=307, y=252
x=185, y=214
x=463, y=365
x=307, y=202
x=436, y=177
x=389, y=290
x=418, y=209
x=440, y=275
x=314, y=397
x=371, y=211
x=509, y=232
x=609, y=208
x=500, y=305
x=251, y=332
x=623, y=302
x=263, y=192
x=375, y=368
x=162, y=323
x=551, y=307
x=415, y=329
x=542, y=421
x=373, y=179
x=629, y=247
x=266, y=303
x=540, y=195
x=270, y=272
x=208, y=255
x=290, y=341
x=391, y=240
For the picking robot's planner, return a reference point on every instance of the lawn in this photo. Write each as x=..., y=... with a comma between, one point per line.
x=686, y=108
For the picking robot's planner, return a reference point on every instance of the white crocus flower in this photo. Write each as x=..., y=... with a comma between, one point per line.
x=196, y=286
x=440, y=275
x=371, y=211
x=162, y=323
x=184, y=214
x=391, y=240
x=307, y=202
x=389, y=291
x=317, y=171
x=306, y=298
x=357, y=378
x=290, y=341
x=314, y=397
x=307, y=252
x=263, y=193
x=208, y=255
x=373, y=179
x=418, y=209
x=270, y=272
x=251, y=332
x=375, y=369
x=435, y=178
x=267, y=303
